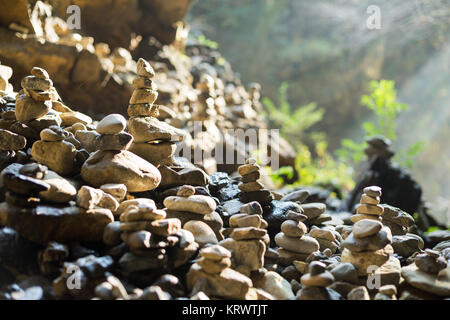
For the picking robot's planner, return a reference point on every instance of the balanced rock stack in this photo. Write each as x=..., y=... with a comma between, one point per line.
x=315, y=211
x=206, y=109
x=56, y=150
x=315, y=282
x=35, y=100
x=251, y=189
x=327, y=237
x=112, y=163
x=5, y=74
x=368, y=245
x=147, y=232
x=212, y=275
x=369, y=207
x=293, y=241
x=430, y=272
x=248, y=239
x=196, y=213
x=154, y=140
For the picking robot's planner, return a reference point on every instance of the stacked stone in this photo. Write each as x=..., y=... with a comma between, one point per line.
x=147, y=233
x=327, y=237
x=251, y=189
x=214, y=259
x=206, y=104
x=112, y=136
x=23, y=185
x=315, y=212
x=196, y=213
x=212, y=275
x=294, y=243
x=5, y=87
x=429, y=273
x=154, y=140
x=248, y=238
x=315, y=282
x=369, y=244
x=369, y=207
x=57, y=150
x=35, y=98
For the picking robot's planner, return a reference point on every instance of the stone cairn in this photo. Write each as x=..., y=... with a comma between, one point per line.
x=248, y=238
x=368, y=244
x=327, y=237
x=154, y=140
x=35, y=100
x=315, y=282
x=293, y=241
x=251, y=188
x=213, y=275
x=369, y=207
x=196, y=213
x=206, y=105
x=315, y=212
x=147, y=233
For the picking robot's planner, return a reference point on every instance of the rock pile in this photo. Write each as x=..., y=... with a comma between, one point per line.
x=5, y=87
x=113, y=163
x=248, y=239
x=251, y=188
x=430, y=273
x=293, y=241
x=196, y=213
x=315, y=211
x=327, y=237
x=154, y=140
x=369, y=207
x=368, y=245
x=315, y=283
x=212, y=275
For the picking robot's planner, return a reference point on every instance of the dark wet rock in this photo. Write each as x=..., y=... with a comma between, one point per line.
x=276, y=215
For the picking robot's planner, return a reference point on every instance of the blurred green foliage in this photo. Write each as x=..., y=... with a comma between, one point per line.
x=314, y=165
x=382, y=101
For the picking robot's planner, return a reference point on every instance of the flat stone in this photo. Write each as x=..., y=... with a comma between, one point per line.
x=248, y=233
x=357, y=217
x=135, y=202
x=39, y=73
x=141, y=96
x=88, y=197
x=112, y=124
x=252, y=208
x=72, y=117
x=244, y=220
x=296, y=216
x=432, y=283
x=296, y=196
x=366, y=228
x=305, y=244
x=11, y=141
x=345, y=272
x=147, y=129
x=251, y=177
x=313, y=210
x=321, y=280
x=138, y=239
x=247, y=169
x=406, y=245
x=215, y=252
x=370, y=209
x=45, y=223
x=143, y=110
x=250, y=186
x=35, y=83
x=322, y=234
x=120, y=167
x=134, y=214
x=429, y=264
x=293, y=228
x=372, y=191
x=196, y=204
x=370, y=243
x=144, y=83
x=365, y=199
